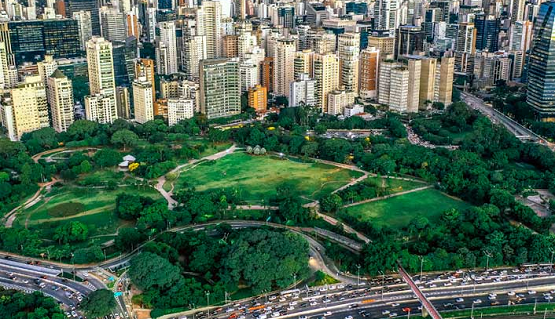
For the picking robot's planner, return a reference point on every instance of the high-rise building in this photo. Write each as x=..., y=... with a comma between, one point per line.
x=466, y=38
x=30, y=41
x=517, y=10
x=144, y=68
x=444, y=80
x=268, y=73
x=338, y=100
x=326, y=74
x=124, y=55
x=349, y=48
x=194, y=50
x=229, y=43
x=132, y=24
x=84, y=24
x=143, y=101
x=46, y=68
x=112, y=24
x=302, y=63
x=487, y=32
x=414, y=67
x=27, y=109
x=166, y=50
x=101, y=105
x=60, y=98
x=369, y=63
x=384, y=44
x=386, y=15
x=427, y=81
x=303, y=91
x=408, y=40
x=220, y=88
x=180, y=109
x=209, y=17
x=88, y=6
x=521, y=35
x=284, y=66
x=249, y=75
x=122, y=102
x=541, y=77
x=258, y=98
x=5, y=80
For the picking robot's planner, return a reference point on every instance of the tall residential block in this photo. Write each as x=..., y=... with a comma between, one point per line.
x=209, y=24
x=145, y=68
x=220, y=88
x=60, y=98
x=284, y=66
x=100, y=106
x=444, y=80
x=27, y=109
x=84, y=24
x=166, y=48
x=258, y=98
x=303, y=91
x=143, y=101
x=326, y=74
x=369, y=63
x=349, y=48
x=180, y=109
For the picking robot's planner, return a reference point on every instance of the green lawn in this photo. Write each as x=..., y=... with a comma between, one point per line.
x=97, y=210
x=256, y=177
x=394, y=185
x=400, y=210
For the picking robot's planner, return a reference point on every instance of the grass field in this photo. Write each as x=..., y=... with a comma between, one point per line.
x=394, y=185
x=256, y=177
x=96, y=209
x=400, y=210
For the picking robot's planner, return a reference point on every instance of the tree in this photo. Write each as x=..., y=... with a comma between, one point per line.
x=107, y=157
x=85, y=167
x=331, y=203
x=128, y=238
x=81, y=129
x=99, y=303
x=148, y=270
x=71, y=232
x=124, y=138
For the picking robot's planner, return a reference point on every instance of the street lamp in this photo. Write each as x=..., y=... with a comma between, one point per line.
x=358, y=275
x=383, y=281
x=294, y=280
x=73, y=265
x=421, y=266
x=488, y=256
x=208, y=301
x=552, y=254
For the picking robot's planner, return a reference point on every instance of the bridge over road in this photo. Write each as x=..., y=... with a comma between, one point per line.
x=426, y=304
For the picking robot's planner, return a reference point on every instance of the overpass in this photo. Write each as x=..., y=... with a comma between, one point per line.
x=426, y=304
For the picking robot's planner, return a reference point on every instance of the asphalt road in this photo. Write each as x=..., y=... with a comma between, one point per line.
x=498, y=117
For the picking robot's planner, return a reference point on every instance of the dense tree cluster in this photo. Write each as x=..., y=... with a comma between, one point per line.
x=99, y=303
x=18, y=305
x=261, y=259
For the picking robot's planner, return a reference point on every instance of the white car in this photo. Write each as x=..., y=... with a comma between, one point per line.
x=393, y=314
x=459, y=300
x=491, y=297
x=511, y=293
x=395, y=304
x=293, y=303
x=477, y=301
x=314, y=303
x=349, y=317
x=290, y=308
x=531, y=292
x=385, y=312
x=548, y=297
x=328, y=313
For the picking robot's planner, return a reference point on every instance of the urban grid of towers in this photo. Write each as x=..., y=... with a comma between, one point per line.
x=141, y=59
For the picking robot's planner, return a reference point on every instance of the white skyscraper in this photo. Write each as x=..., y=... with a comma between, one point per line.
x=112, y=24
x=142, y=100
x=194, y=50
x=83, y=19
x=284, y=69
x=166, y=49
x=209, y=20
x=101, y=104
x=60, y=98
x=349, y=53
x=302, y=91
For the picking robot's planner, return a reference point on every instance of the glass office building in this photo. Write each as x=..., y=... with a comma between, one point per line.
x=541, y=67
x=32, y=40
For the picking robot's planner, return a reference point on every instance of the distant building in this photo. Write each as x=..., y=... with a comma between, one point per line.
x=60, y=98
x=143, y=101
x=258, y=98
x=220, y=88
x=338, y=100
x=180, y=109
x=303, y=91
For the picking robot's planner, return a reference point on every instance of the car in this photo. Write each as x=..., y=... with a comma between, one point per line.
x=392, y=315
x=348, y=317
x=303, y=317
x=511, y=293
x=395, y=304
x=293, y=303
x=477, y=301
x=328, y=313
x=314, y=303
x=459, y=300
x=492, y=297
x=275, y=314
x=495, y=303
x=74, y=314
x=353, y=305
x=531, y=292
x=549, y=297
x=385, y=312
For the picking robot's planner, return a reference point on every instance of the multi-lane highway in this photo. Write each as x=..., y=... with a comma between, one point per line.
x=497, y=117
x=385, y=296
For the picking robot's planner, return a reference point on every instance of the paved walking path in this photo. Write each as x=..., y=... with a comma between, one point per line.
x=162, y=179
x=388, y=196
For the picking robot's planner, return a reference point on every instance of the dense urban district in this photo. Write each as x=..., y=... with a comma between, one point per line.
x=277, y=159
